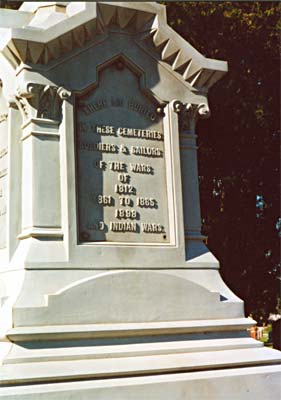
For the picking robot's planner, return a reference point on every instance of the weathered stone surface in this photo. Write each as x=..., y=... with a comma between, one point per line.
x=3, y=170
x=103, y=268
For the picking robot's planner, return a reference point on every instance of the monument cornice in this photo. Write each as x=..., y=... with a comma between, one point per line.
x=43, y=40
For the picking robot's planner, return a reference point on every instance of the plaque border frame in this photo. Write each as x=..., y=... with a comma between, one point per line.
x=160, y=255
x=140, y=76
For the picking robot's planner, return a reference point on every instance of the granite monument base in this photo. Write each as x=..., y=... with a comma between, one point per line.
x=186, y=340
x=257, y=383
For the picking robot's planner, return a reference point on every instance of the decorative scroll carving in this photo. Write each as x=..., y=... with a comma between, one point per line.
x=189, y=114
x=41, y=101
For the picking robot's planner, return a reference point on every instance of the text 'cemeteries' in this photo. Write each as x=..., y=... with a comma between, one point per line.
x=129, y=204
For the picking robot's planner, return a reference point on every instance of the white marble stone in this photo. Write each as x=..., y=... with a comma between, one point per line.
x=240, y=383
x=103, y=269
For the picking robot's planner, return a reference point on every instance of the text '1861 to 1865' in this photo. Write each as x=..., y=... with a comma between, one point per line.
x=121, y=169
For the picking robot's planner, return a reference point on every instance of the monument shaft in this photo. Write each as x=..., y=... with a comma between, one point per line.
x=107, y=288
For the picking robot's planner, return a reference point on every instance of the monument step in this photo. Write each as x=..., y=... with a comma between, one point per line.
x=25, y=354
x=257, y=383
x=64, y=332
x=58, y=371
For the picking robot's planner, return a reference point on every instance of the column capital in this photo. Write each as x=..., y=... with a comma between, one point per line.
x=189, y=113
x=40, y=101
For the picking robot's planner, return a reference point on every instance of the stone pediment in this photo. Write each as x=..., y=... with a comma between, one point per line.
x=48, y=31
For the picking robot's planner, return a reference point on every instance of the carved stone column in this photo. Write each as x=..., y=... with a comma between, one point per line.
x=188, y=115
x=41, y=195
x=3, y=171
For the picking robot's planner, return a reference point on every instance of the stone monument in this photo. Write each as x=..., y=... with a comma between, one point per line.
x=107, y=288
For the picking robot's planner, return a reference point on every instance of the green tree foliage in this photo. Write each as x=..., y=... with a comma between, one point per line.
x=239, y=144
x=10, y=4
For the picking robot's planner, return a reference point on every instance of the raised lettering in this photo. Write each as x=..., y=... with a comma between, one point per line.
x=120, y=162
x=146, y=151
x=123, y=226
x=121, y=213
x=141, y=168
x=105, y=129
x=125, y=201
x=100, y=164
x=105, y=200
x=117, y=166
x=146, y=202
x=93, y=107
x=106, y=147
x=141, y=109
x=124, y=178
x=125, y=189
x=140, y=133
x=152, y=228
